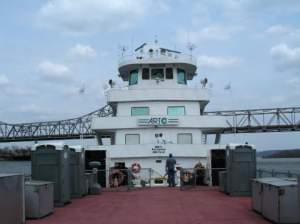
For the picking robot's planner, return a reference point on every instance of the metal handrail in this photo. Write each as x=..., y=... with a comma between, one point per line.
x=274, y=173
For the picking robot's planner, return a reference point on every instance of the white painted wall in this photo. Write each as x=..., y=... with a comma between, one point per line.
x=126, y=122
x=159, y=108
x=116, y=95
x=187, y=156
x=147, y=136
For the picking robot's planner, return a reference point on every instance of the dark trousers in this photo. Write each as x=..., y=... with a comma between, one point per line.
x=171, y=178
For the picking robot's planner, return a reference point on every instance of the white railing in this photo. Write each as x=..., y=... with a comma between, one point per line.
x=158, y=56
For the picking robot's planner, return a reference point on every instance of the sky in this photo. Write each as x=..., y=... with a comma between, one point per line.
x=57, y=55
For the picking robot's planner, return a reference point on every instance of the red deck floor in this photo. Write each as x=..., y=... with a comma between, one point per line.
x=155, y=206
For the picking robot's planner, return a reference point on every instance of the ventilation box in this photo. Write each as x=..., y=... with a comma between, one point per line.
x=241, y=169
x=12, y=199
x=50, y=162
x=39, y=197
x=77, y=176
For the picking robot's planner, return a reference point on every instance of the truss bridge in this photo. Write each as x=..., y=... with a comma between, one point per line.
x=238, y=121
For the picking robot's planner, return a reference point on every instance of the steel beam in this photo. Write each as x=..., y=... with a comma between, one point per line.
x=74, y=128
x=259, y=120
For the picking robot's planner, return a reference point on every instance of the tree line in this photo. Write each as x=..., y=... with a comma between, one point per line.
x=15, y=153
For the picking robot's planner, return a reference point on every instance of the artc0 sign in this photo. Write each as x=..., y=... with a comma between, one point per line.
x=157, y=121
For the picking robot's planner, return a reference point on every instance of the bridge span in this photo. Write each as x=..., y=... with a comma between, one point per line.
x=239, y=121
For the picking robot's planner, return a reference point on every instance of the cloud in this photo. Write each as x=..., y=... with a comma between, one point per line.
x=286, y=58
x=213, y=32
x=54, y=72
x=82, y=51
x=31, y=108
x=14, y=90
x=217, y=62
x=278, y=99
x=3, y=81
x=85, y=16
x=257, y=6
x=293, y=82
x=280, y=30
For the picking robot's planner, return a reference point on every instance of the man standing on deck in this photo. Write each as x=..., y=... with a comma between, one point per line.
x=170, y=169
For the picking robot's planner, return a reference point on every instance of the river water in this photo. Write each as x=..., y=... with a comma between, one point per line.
x=282, y=165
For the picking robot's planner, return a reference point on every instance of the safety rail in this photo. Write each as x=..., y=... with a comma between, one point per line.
x=274, y=173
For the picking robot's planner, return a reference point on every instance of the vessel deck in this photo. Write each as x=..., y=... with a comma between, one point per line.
x=156, y=205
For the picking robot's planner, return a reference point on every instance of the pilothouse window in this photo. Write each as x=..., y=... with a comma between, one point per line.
x=181, y=76
x=157, y=74
x=169, y=73
x=145, y=74
x=133, y=77
x=184, y=138
x=132, y=139
x=139, y=111
x=176, y=110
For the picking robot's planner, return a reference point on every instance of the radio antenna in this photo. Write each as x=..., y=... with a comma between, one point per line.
x=191, y=47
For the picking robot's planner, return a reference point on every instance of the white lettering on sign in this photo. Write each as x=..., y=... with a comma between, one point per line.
x=158, y=149
x=158, y=121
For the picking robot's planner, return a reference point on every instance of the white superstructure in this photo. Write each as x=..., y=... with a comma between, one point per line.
x=158, y=113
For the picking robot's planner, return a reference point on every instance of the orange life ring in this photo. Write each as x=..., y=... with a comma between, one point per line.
x=136, y=167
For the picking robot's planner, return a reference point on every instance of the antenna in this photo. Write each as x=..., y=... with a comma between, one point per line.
x=123, y=49
x=191, y=47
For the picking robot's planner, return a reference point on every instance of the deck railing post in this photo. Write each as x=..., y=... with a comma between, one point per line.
x=259, y=173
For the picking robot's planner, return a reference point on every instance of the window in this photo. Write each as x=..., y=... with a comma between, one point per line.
x=184, y=138
x=132, y=139
x=145, y=74
x=169, y=73
x=133, y=77
x=181, y=76
x=176, y=111
x=139, y=111
x=157, y=73
x=106, y=140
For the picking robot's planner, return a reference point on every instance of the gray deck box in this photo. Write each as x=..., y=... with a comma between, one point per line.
x=12, y=205
x=50, y=162
x=257, y=192
x=39, y=198
x=223, y=181
x=77, y=169
x=241, y=169
x=280, y=201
